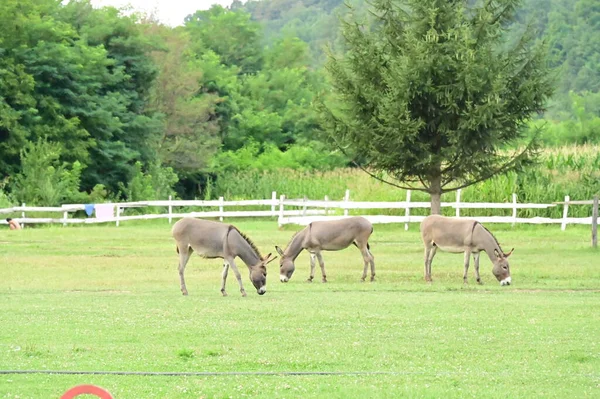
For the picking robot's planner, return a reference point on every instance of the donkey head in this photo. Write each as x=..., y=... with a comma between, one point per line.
x=258, y=274
x=286, y=266
x=501, y=267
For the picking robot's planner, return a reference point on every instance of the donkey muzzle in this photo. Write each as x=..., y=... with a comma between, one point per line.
x=262, y=290
x=506, y=281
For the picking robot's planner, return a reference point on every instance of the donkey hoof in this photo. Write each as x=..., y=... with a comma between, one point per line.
x=372, y=278
x=309, y=280
x=244, y=294
x=224, y=293
x=324, y=280
x=184, y=293
x=479, y=282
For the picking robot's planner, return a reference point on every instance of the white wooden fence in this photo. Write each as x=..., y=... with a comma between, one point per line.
x=299, y=211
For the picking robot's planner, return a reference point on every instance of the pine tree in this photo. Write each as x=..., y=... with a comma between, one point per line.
x=431, y=94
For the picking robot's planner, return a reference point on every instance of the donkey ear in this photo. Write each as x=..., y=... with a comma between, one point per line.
x=269, y=259
x=279, y=251
x=509, y=253
x=498, y=255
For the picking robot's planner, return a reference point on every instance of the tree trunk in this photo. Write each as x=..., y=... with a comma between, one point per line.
x=435, y=191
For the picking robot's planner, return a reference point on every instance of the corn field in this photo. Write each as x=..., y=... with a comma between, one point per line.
x=573, y=171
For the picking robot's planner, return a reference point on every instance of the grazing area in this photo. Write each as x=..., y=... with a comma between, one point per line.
x=102, y=298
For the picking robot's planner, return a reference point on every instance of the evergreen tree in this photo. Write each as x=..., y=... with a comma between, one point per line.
x=431, y=96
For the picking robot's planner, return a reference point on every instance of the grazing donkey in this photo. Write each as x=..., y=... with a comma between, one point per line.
x=457, y=235
x=330, y=235
x=218, y=240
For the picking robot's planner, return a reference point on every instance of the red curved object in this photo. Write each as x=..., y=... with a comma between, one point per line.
x=87, y=389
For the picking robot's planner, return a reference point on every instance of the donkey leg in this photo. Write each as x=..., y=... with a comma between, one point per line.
x=312, y=267
x=467, y=258
x=237, y=275
x=224, y=277
x=372, y=262
x=429, y=254
x=369, y=259
x=322, y=264
x=184, y=257
x=476, y=259
x=366, y=258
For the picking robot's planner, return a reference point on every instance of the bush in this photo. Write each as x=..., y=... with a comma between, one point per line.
x=43, y=181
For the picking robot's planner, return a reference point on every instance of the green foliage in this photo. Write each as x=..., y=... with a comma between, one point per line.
x=580, y=126
x=155, y=184
x=230, y=34
x=43, y=180
x=430, y=96
x=5, y=200
x=310, y=155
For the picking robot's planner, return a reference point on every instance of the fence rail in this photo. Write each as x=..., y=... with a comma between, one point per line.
x=302, y=212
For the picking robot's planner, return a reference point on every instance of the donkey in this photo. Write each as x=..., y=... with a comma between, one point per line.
x=332, y=235
x=463, y=235
x=219, y=240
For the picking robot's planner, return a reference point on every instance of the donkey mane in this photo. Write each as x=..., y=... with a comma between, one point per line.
x=294, y=236
x=493, y=236
x=248, y=240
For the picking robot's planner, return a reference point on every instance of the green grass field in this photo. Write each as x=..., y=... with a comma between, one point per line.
x=102, y=298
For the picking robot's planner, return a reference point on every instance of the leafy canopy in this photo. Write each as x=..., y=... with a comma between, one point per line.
x=431, y=93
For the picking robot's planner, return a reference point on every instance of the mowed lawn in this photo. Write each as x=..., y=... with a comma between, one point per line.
x=102, y=298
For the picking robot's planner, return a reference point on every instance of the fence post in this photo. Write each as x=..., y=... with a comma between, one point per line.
x=281, y=199
x=595, y=222
x=407, y=210
x=563, y=225
x=346, y=199
x=304, y=208
x=23, y=215
x=514, y=214
x=170, y=211
x=273, y=203
x=326, y=207
x=221, y=199
x=65, y=216
x=458, y=202
x=118, y=214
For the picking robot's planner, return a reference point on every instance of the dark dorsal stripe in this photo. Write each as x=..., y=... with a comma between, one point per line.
x=248, y=240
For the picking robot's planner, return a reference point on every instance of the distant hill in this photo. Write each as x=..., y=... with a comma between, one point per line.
x=570, y=27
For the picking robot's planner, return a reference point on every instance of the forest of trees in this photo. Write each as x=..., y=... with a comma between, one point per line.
x=96, y=105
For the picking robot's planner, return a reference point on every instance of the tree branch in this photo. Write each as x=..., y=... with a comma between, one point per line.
x=501, y=169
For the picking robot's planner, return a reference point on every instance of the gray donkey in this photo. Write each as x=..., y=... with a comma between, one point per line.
x=219, y=240
x=457, y=235
x=331, y=235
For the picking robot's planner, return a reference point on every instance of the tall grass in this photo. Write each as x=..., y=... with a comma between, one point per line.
x=573, y=171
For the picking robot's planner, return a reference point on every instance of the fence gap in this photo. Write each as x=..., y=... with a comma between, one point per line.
x=595, y=222
x=407, y=211
x=458, y=202
x=514, y=213
x=563, y=225
x=346, y=199
x=221, y=200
